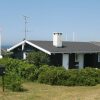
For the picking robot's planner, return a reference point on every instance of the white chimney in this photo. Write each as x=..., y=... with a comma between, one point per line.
x=57, y=39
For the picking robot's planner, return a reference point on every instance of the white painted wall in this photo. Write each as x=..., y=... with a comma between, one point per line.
x=66, y=61
x=81, y=61
x=57, y=39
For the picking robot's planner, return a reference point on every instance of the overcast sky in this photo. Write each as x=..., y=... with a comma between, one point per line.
x=47, y=16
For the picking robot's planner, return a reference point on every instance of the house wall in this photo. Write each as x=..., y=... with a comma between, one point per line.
x=91, y=60
x=73, y=64
x=86, y=60
x=72, y=61
x=56, y=59
x=97, y=63
x=18, y=53
x=69, y=61
x=21, y=51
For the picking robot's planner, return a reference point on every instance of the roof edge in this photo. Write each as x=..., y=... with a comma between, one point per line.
x=13, y=47
x=32, y=44
x=36, y=46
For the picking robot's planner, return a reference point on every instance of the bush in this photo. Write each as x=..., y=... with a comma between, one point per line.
x=12, y=77
x=28, y=71
x=71, y=77
x=53, y=76
x=6, y=54
x=16, y=71
x=38, y=58
x=13, y=82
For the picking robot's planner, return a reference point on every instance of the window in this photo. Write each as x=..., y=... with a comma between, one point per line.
x=98, y=57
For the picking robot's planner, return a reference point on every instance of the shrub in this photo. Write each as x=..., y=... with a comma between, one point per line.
x=38, y=58
x=16, y=70
x=43, y=68
x=12, y=77
x=71, y=77
x=6, y=54
x=53, y=76
x=13, y=81
x=28, y=71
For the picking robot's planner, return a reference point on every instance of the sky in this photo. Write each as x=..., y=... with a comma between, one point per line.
x=47, y=16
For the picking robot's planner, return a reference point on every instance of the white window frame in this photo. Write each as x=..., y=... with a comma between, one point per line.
x=98, y=57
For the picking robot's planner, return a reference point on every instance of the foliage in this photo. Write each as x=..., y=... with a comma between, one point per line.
x=53, y=75
x=37, y=58
x=12, y=78
x=16, y=70
x=29, y=72
x=13, y=81
x=6, y=54
x=72, y=77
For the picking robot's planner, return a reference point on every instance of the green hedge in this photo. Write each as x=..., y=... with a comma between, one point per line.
x=72, y=77
x=17, y=70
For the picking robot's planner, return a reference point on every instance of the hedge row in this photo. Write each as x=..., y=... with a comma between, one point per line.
x=72, y=77
x=17, y=70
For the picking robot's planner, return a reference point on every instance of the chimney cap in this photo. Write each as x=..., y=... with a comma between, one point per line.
x=57, y=33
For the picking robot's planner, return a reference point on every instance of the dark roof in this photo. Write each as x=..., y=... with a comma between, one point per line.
x=68, y=47
x=96, y=43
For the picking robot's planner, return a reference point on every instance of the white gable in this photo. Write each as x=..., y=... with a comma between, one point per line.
x=31, y=44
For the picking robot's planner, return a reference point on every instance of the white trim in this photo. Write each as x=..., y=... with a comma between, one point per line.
x=98, y=57
x=23, y=46
x=34, y=45
x=81, y=61
x=24, y=55
x=66, y=61
x=13, y=47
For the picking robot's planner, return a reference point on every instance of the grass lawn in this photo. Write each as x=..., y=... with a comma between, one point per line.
x=36, y=91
